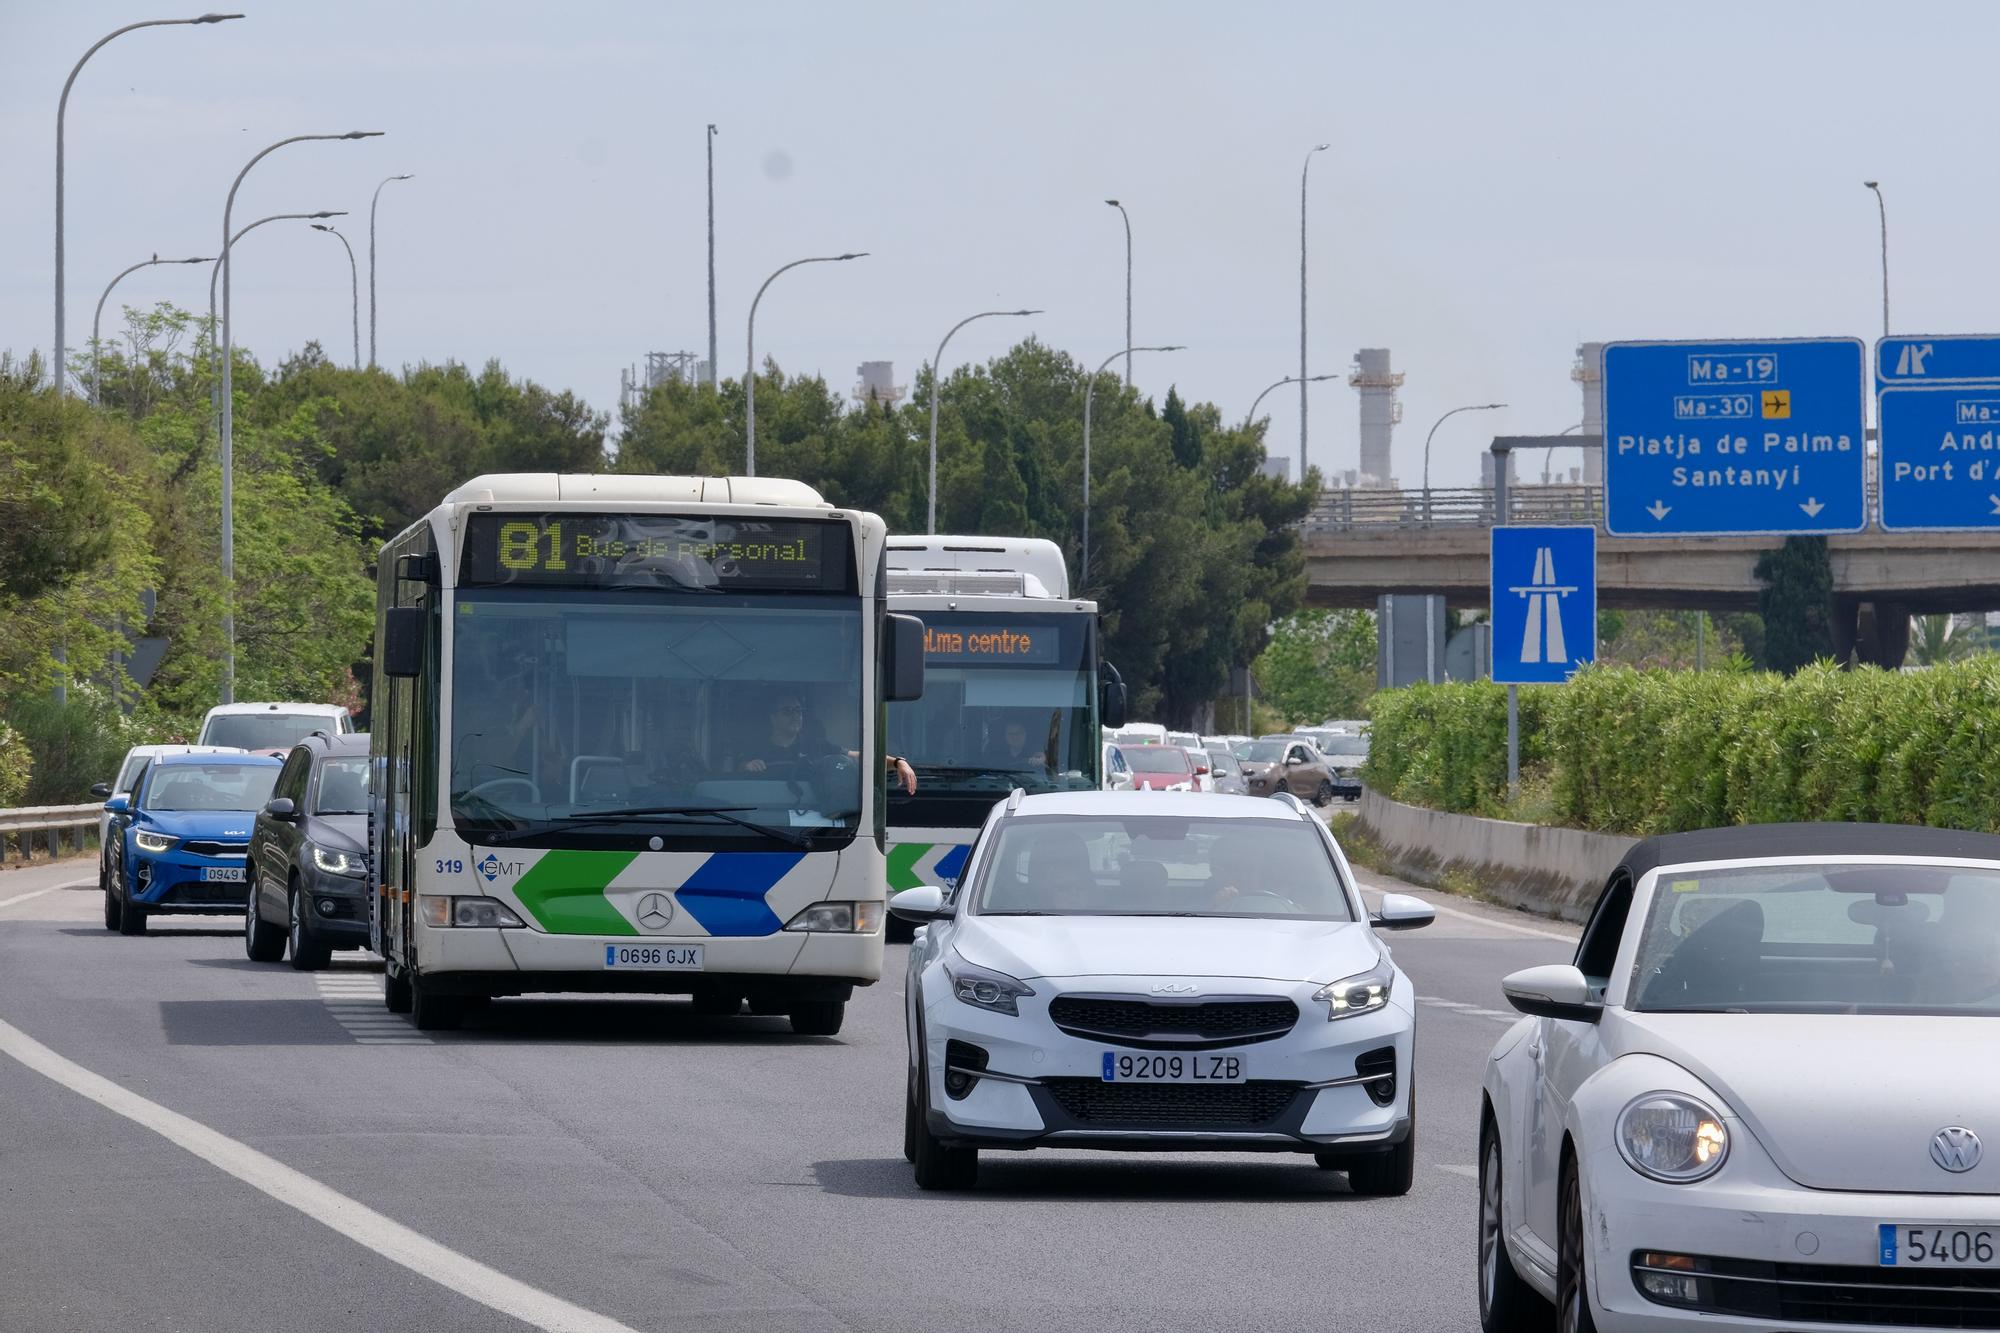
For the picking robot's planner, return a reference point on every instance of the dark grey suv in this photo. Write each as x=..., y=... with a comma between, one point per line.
x=309, y=856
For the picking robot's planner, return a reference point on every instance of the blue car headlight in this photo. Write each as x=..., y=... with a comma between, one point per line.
x=339, y=863
x=153, y=842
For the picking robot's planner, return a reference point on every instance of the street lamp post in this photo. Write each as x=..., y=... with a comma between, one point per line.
x=712, y=366
x=1550, y=452
x=1129, y=349
x=1289, y=379
x=750, y=370
x=229, y=416
x=96, y=319
x=215, y=272
x=371, y=262
x=937, y=373
x=1883, y=210
x=1089, y=391
x=1471, y=407
x=1303, y=381
x=62, y=106
x=353, y=284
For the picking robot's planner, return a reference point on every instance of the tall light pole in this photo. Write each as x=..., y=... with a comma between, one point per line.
x=1550, y=452
x=353, y=283
x=1883, y=210
x=1289, y=379
x=1471, y=407
x=937, y=373
x=99, y=316
x=1303, y=380
x=1089, y=390
x=371, y=262
x=214, y=328
x=1129, y=349
x=229, y=415
x=62, y=106
x=750, y=370
x=711, y=258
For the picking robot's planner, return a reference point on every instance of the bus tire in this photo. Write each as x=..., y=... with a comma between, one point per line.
x=432, y=1012
x=818, y=1018
x=396, y=991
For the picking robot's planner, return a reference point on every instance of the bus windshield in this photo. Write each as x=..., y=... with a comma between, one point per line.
x=706, y=720
x=1007, y=703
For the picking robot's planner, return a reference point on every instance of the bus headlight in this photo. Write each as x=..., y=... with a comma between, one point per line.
x=441, y=912
x=839, y=918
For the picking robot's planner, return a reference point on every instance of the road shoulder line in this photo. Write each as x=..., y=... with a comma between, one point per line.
x=349, y=1217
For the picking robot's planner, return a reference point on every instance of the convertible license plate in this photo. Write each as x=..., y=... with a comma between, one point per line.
x=652, y=957
x=1907, y=1246
x=1124, y=1067
x=224, y=874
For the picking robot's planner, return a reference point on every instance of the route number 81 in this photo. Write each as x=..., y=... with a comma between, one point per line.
x=520, y=547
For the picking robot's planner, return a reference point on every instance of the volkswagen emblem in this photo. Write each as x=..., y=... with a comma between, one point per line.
x=656, y=912
x=1956, y=1148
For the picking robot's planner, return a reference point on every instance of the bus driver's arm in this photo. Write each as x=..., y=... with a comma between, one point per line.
x=900, y=768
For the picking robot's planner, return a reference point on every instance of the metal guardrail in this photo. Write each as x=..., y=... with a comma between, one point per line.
x=50, y=822
x=1351, y=510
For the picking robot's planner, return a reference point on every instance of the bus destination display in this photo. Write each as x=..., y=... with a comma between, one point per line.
x=657, y=550
x=991, y=643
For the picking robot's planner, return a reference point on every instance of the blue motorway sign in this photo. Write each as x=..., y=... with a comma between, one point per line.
x=1544, y=601
x=1940, y=457
x=1734, y=438
x=1957, y=358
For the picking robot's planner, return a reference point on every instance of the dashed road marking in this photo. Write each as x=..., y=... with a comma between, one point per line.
x=1469, y=1010
x=355, y=1001
x=1469, y=1172
x=349, y=1217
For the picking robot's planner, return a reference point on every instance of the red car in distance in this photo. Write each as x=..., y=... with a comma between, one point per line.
x=1159, y=767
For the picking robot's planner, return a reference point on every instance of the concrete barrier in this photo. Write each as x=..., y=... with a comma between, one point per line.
x=1557, y=872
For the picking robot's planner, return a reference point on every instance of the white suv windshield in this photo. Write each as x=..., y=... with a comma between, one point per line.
x=1155, y=865
x=1837, y=938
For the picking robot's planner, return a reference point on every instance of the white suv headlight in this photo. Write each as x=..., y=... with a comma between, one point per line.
x=1672, y=1137
x=983, y=988
x=1361, y=994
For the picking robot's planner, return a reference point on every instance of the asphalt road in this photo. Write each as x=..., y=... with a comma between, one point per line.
x=638, y=1167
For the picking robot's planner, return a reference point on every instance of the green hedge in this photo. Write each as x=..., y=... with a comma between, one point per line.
x=1654, y=751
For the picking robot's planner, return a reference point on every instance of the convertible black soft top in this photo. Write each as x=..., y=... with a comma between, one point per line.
x=1756, y=841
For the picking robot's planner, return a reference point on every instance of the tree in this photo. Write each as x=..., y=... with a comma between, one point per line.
x=1796, y=603
x=1320, y=664
x=1934, y=641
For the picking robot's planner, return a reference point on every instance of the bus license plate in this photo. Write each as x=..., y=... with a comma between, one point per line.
x=1905, y=1246
x=652, y=957
x=224, y=874
x=1123, y=1067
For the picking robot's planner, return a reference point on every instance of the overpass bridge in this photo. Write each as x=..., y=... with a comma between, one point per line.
x=1363, y=544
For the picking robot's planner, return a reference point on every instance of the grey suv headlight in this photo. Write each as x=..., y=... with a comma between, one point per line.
x=339, y=863
x=983, y=988
x=1672, y=1137
x=1363, y=993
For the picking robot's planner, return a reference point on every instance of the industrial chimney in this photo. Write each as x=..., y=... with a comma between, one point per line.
x=1380, y=411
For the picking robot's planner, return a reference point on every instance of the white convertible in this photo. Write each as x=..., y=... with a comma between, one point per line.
x=1758, y=1098
x=1132, y=971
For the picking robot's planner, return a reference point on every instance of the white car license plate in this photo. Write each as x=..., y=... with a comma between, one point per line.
x=225, y=874
x=1192, y=1067
x=652, y=957
x=1907, y=1246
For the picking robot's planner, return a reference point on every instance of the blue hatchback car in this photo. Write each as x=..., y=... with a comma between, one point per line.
x=182, y=837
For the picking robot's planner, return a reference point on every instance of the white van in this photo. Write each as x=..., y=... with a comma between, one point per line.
x=271, y=726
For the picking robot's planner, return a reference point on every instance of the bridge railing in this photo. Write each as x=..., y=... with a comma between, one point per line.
x=1350, y=510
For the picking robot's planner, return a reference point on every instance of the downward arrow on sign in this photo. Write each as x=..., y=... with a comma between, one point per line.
x=1660, y=511
x=1812, y=506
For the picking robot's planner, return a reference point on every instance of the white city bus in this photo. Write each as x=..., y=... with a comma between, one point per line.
x=627, y=738
x=1013, y=696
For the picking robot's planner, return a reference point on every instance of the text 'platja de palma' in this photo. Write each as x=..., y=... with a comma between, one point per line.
x=1769, y=462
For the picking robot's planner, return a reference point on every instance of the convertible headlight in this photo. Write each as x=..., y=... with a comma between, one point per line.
x=983, y=988
x=1362, y=994
x=154, y=842
x=1672, y=1137
x=338, y=863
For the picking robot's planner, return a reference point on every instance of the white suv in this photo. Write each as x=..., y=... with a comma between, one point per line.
x=271, y=726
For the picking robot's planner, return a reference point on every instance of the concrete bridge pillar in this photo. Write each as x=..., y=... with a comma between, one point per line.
x=1871, y=633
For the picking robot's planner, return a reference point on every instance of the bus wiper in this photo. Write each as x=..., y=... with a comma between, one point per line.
x=723, y=812
x=486, y=809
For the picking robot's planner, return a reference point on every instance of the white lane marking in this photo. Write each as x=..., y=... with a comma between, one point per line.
x=1441, y=1003
x=1469, y=1172
x=6, y=903
x=1466, y=1010
x=330, y=1208
x=1477, y=919
x=356, y=1004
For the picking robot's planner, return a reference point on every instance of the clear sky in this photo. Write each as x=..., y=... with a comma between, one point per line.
x=1505, y=180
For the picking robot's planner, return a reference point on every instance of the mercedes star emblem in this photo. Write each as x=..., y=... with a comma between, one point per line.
x=1956, y=1148
x=656, y=911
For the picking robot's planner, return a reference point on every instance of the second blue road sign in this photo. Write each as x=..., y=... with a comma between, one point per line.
x=1544, y=601
x=1734, y=438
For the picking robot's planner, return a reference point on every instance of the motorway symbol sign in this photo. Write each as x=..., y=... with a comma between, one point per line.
x=1957, y=358
x=1734, y=438
x=1940, y=457
x=1544, y=600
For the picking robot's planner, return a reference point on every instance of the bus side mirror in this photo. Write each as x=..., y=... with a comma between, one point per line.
x=1110, y=697
x=902, y=659
x=403, y=640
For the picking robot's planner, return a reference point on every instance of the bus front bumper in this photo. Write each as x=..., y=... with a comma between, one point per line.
x=798, y=965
